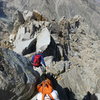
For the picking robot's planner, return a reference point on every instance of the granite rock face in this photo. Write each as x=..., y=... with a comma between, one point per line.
x=17, y=78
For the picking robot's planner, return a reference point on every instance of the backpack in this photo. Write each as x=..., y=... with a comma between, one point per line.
x=45, y=87
x=37, y=60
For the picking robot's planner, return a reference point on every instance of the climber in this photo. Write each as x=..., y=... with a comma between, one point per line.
x=38, y=61
x=46, y=91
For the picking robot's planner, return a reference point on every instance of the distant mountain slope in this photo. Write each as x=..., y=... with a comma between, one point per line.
x=58, y=8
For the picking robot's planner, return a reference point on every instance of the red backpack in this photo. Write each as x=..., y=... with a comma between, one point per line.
x=37, y=60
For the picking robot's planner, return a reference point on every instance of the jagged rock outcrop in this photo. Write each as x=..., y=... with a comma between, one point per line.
x=33, y=15
x=5, y=28
x=71, y=52
x=27, y=31
x=80, y=74
x=19, y=20
x=17, y=78
x=29, y=36
x=24, y=39
x=88, y=9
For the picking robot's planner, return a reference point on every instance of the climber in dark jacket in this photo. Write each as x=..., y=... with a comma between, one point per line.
x=39, y=63
x=38, y=60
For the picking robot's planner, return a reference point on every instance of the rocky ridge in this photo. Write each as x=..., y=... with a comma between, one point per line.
x=17, y=78
x=72, y=53
x=55, y=9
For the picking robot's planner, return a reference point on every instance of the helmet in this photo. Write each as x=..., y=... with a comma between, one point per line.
x=40, y=51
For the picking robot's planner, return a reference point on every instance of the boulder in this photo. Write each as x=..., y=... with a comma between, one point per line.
x=57, y=9
x=24, y=33
x=38, y=16
x=19, y=20
x=43, y=39
x=57, y=68
x=27, y=14
x=17, y=78
x=21, y=45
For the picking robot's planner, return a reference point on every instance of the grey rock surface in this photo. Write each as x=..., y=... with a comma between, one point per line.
x=72, y=55
x=58, y=8
x=17, y=78
x=43, y=39
x=80, y=77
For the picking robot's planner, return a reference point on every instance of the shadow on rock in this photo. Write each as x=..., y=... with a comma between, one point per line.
x=52, y=50
x=2, y=13
x=31, y=48
x=90, y=96
x=6, y=94
x=70, y=94
x=64, y=93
